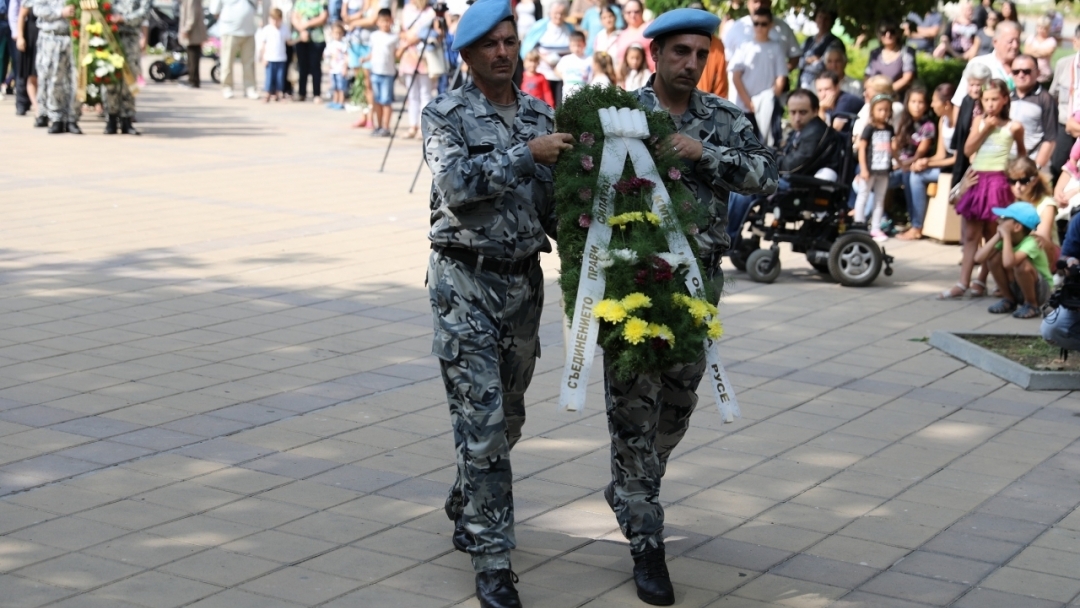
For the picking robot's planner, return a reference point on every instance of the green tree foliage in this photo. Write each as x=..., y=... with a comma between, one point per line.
x=856, y=16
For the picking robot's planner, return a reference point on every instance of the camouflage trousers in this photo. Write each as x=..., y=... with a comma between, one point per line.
x=118, y=99
x=486, y=338
x=647, y=417
x=57, y=76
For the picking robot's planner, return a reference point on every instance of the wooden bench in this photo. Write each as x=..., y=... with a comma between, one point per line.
x=941, y=222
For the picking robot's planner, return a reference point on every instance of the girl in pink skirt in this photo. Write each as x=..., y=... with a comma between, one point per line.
x=992, y=138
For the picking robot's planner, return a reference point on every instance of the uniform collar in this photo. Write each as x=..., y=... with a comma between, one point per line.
x=699, y=106
x=480, y=104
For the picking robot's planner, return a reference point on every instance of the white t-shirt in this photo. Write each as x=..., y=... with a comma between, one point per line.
x=383, y=45
x=574, y=71
x=997, y=71
x=742, y=31
x=760, y=64
x=272, y=41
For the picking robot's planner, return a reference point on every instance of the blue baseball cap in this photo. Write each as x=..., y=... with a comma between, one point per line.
x=1021, y=212
x=683, y=21
x=478, y=20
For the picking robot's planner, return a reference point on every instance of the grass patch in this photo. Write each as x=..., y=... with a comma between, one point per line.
x=1030, y=351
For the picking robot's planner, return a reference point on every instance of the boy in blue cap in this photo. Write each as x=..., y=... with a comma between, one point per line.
x=1017, y=260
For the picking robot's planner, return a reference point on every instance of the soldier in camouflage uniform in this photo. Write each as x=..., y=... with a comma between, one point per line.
x=489, y=147
x=56, y=69
x=118, y=99
x=649, y=414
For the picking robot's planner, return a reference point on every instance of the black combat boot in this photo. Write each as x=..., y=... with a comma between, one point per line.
x=126, y=127
x=58, y=127
x=73, y=128
x=41, y=121
x=111, y=124
x=652, y=579
x=495, y=589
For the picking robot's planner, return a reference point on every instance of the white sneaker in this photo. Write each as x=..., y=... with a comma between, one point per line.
x=251, y=93
x=227, y=93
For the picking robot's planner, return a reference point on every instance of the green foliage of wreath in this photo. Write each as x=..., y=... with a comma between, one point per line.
x=576, y=183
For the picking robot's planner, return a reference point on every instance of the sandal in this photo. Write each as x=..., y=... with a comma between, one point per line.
x=1027, y=311
x=978, y=289
x=912, y=234
x=411, y=133
x=952, y=293
x=1003, y=306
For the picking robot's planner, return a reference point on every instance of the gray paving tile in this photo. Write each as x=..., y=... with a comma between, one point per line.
x=739, y=554
x=250, y=412
x=50, y=467
x=157, y=439
x=359, y=479
x=1029, y=510
x=944, y=567
x=205, y=425
x=825, y=571
x=96, y=426
x=421, y=491
x=988, y=598
x=953, y=542
x=39, y=415
x=105, y=452
x=224, y=451
x=914, y=588
x=291, y=465
x=999, y=527
x=296, y=401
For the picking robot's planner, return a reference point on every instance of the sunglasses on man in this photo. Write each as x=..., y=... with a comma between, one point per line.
x=762, y=24
x=1024, y=71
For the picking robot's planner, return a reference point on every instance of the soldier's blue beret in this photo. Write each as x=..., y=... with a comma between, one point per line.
x=478, y=20
x=683, y=21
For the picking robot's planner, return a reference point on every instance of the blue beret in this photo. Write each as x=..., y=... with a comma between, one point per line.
x=478, y=20
x=683, y=21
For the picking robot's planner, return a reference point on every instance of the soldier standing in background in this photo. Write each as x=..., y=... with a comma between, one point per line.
x=489, y=147
x=56, y=69
x=649, y=414
x=119, y=100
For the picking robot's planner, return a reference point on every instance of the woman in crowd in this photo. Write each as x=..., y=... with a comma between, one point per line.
x=958, y=41
x=811, y=64
x=928, y=170
x=592, y=23
x=417, y=22
x=551, y=37
x=308, y=19
x=634, y=12
x=1041, y=45
x=605, y=39
x=892, y=59
x=1008, y=13
x=528, y=13
x=964, y=114
x=984, y=38
x=359, y=17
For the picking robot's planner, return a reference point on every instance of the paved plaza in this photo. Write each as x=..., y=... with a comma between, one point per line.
x=216, y=391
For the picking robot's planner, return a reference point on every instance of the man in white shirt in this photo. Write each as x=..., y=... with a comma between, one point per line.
x=1006, y=48
x=743, y=31
x=759, y=72
x=236, y=22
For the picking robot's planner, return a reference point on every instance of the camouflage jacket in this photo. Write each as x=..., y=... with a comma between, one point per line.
x=732, y=159
x=487, y=193
x=133, y=13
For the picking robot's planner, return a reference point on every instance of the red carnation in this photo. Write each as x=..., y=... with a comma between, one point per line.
x=74, y=33
x=659, y=344
x=114, y=28
x=74, y=23
x=106, y=7
x=662, y=270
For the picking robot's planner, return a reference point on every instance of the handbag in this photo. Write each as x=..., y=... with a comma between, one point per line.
x=435, y=59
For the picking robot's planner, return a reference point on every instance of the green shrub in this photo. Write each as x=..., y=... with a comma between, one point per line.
x=931, y=72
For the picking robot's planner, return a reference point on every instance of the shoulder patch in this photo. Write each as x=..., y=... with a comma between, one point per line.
x=447, y=102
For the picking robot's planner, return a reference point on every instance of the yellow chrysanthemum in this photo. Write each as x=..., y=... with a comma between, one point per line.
x=663, y=332
x=94, y=28
x=715, y=329
x=635, y=301
x=652, y=218
x=88, y=59
x=610, y=310
x=101, y=54
x=623, y=219
x=635, y=330
x=116, y=60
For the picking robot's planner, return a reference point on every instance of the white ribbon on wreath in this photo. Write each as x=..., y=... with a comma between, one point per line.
x=624, y=130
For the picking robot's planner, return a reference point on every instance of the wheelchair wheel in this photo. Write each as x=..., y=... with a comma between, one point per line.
x=215, y=73
x=855, y=260
x=159, y=71
x=757, y=266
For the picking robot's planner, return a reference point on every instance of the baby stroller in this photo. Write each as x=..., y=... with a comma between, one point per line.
x=165, y=34
x=812, y=216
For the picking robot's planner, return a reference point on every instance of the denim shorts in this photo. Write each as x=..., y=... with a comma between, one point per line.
x=340, y=83
x=383, y=89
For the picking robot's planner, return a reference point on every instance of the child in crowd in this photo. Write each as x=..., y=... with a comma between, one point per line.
x=915, y=138
x=382, y=58
x=635, y=71
x=533, y=82
x=573, y=69
x=1017, y=261
x=271, y=44
x=337, y=52
x=603, y=69
x=876, y=149
x=992, y=137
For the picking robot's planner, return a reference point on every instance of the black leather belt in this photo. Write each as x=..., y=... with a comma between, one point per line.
x=496, y=265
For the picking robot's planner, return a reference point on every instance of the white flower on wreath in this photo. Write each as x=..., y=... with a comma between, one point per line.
x=675, y=259
x=104, y=70
x=604, y=259
x=92, y=90
x=97, y=41
x=625, y=255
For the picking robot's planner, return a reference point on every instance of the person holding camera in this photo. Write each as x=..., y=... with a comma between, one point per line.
x=490, y=148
